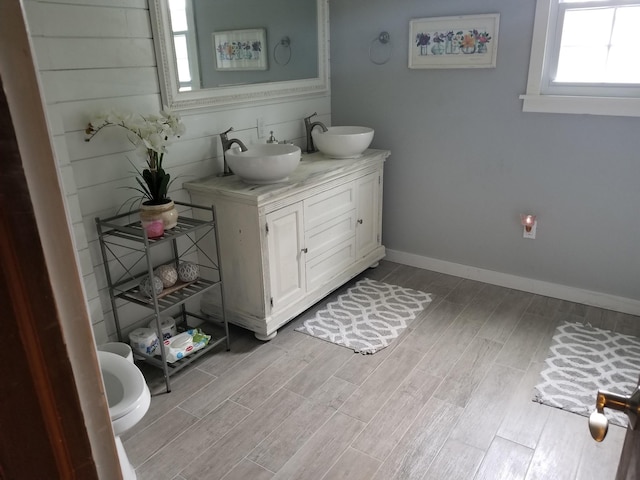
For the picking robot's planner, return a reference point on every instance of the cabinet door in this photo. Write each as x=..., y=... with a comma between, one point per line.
x=285, y=237
x=368, y=213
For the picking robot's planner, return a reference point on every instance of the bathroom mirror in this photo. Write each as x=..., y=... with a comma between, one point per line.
x=223, y=52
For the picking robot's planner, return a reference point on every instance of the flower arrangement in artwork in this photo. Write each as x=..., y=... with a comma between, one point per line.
x=150, y=134
x=438, y=37
x=423, y=39
x=422, y=42
x=246, y=50
x=483, y=38
x=468, y=43
x=438, y=43
x=453, y=42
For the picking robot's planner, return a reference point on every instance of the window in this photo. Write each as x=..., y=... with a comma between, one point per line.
x=583, y=58
x=184, y=43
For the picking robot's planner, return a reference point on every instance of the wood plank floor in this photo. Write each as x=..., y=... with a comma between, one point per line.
x=449, y=399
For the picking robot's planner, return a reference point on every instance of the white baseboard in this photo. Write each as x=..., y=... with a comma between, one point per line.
x=547, y=289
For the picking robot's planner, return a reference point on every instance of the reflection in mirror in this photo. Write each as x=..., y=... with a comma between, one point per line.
x=233, y=51
x=184, y=44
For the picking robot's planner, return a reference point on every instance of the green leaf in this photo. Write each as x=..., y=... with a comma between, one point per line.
x=145, y=189
x=163, y=187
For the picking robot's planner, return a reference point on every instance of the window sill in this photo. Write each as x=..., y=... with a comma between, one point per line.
x=613, y=106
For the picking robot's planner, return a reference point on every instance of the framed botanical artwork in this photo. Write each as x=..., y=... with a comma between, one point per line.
x=241, y=49
x=467, y=41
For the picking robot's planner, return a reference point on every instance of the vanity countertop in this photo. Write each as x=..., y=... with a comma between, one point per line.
x=313, y=168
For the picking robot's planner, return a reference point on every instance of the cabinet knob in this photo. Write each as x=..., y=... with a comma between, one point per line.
x=360, y=221
x=305, y=250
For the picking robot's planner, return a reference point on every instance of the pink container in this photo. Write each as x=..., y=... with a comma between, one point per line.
x=154, y=228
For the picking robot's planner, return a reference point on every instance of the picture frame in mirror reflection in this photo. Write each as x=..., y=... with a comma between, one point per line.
x=241, y=49
x=466, y=41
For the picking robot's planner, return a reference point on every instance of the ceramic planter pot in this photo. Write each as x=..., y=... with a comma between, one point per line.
x=166, y=211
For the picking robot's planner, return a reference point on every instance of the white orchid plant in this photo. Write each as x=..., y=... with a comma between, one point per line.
x=150, y=134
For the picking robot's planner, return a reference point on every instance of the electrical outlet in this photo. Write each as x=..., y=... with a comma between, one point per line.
x=260, y=125
x=531, y=234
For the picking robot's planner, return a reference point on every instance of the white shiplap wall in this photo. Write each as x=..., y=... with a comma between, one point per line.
x=96, y=55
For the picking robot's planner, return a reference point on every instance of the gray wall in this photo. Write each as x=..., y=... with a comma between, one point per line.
x=466, y=161
x=293, y=18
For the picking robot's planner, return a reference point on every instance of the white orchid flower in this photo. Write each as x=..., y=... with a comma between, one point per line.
x=141, y=149
x=150, y=136
x=155, y=142
x=173, y=121
x=179, y=129
x=120, y=118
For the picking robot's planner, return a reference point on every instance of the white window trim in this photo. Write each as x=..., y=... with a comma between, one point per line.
x=535, y=101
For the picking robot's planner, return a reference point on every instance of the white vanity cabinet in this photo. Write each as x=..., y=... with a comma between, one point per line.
x=284, y=238
x=285, y=246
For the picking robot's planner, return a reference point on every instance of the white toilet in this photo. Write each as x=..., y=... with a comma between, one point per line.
x=128, y=397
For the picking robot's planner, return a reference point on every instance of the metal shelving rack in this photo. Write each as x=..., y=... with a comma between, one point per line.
x=118, y=233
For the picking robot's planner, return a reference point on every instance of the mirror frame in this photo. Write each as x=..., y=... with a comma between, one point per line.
x=239, y=94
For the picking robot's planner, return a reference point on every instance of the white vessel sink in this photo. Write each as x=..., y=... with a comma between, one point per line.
x=264, y=163
x=343, y=142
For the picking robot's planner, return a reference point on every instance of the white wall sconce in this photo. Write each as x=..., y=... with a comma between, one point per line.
x=529, y=223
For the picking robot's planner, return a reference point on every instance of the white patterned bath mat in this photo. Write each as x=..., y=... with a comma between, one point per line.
x=583, y=360
x=368, y=317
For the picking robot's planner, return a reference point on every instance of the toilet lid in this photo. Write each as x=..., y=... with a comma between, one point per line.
x=124, y=383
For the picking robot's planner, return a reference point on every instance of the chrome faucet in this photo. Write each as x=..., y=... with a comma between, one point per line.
x=309, y=127
x=226, y=145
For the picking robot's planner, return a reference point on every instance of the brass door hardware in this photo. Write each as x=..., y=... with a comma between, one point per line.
x=598, y=423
